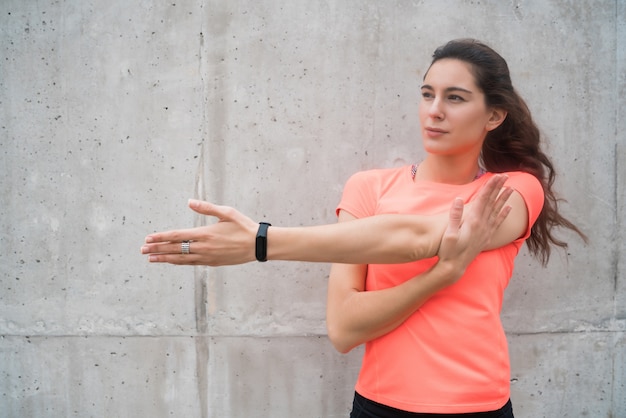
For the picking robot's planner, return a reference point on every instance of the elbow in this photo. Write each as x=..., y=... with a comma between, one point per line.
x=339, y=340
x=340, y=345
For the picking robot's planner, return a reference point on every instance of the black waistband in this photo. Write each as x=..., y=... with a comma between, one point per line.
x=370, y=409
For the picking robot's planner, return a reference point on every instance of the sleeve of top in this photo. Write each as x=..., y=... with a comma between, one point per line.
x=359, y=195
x=531, y=191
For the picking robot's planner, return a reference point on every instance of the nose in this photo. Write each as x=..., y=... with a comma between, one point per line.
x=435, y=109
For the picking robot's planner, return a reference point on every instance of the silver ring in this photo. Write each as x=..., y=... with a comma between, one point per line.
x=184, y=247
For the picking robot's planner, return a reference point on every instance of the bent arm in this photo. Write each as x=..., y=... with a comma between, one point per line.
x=355, y=316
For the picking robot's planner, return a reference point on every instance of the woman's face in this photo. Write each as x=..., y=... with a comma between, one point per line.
x=453, y=115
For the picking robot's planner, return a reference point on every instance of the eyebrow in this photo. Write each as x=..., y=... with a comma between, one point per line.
x=449, y=89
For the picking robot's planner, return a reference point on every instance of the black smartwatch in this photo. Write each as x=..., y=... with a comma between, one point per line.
x=261, y=242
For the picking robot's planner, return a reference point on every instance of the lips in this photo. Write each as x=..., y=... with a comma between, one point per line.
x=436, y=130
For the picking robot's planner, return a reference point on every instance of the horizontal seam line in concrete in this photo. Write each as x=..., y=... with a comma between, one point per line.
x=32, y=336
x=591, y=331
x=25, y=335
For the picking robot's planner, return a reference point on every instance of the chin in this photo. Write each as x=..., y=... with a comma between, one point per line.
x=433, y=147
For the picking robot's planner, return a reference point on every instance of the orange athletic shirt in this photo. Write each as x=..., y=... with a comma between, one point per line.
x=451, y=355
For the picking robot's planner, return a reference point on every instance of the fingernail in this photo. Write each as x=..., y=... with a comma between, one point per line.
x=149, y=240
x=152, y=258
x=193, y=203
x=144, y=250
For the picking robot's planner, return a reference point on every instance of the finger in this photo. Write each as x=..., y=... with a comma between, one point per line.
x=177, y=235
x=502, y=216
x=163, y=248
x=503, y=197
x=456, y=214
x=207, y=208
x=181, y=259
x=489, y=193
x=495, y=185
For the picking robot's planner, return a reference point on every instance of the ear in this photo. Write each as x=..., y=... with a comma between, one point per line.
x=496, y=118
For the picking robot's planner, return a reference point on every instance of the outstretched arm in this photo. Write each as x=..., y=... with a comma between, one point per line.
x=378, y=239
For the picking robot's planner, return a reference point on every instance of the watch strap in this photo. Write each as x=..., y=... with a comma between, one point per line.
x=261, y=242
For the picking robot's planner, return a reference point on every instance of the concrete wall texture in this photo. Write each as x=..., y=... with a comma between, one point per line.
x=114, y=113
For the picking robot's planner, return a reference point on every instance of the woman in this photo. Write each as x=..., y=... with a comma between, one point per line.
x=434, y=341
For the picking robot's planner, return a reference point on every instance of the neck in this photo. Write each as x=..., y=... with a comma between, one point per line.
x=442, y=169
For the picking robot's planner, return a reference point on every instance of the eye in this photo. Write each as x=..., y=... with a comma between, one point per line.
x=427, y=95
x=455, y=98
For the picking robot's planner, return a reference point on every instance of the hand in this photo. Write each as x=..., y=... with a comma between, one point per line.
x=229, y=241
x=466, y=236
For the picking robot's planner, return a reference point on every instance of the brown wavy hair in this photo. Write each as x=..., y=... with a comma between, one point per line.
x=515, y=145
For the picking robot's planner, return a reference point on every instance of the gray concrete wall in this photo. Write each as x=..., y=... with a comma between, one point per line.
x=113, y=113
